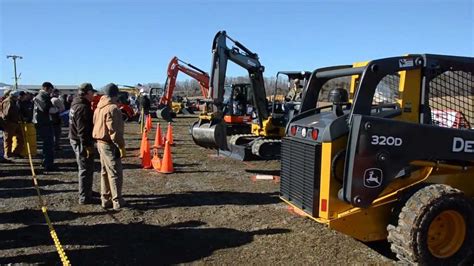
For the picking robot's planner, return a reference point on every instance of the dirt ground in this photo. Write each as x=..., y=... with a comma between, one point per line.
x=207, y=212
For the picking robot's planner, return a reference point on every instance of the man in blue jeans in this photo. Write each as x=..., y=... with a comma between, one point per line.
x=44, y=125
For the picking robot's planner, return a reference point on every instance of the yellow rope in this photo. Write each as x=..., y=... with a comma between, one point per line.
x=54, y=236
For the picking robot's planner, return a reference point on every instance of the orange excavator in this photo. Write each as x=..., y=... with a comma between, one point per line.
x=237, y=117
x=167, y=109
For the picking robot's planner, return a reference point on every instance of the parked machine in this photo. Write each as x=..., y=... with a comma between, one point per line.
x=266, y=131
x=280, y=104
x=396, y=162
x=167, y=109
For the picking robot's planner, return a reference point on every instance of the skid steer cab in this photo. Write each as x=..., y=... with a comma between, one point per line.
x=390, y=156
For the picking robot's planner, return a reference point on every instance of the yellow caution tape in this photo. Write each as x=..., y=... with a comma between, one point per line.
x=54, y=236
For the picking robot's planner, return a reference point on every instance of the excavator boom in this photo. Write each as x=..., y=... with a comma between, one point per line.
x=212, y=133
x=174, y=67
x=242, y=56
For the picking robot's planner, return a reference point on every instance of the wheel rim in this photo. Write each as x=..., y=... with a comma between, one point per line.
x=446, y=234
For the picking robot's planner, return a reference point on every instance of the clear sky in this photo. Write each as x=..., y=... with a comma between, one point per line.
x=101, y=41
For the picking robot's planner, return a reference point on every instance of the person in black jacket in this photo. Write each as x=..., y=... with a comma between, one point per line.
x=80, y=135
x=26, y=107
x=44, y=126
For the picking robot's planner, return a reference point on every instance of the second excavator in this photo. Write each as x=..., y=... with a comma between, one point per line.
x=167, y=109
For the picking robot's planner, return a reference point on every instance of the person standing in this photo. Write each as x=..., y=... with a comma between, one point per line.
x=295, y=92
x=44, y=126
x=55, y=111
x=12, y=126
x=108, y=131
x=80, y=135
x=2, y=123
x=2, y=156
x=26, y=107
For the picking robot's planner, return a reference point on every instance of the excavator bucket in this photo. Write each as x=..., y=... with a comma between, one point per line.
x=210, y=134
x=165, y=113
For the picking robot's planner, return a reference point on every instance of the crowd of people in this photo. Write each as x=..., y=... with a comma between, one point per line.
x=103, y=126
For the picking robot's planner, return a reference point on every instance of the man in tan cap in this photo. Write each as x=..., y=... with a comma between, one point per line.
x=108, y=131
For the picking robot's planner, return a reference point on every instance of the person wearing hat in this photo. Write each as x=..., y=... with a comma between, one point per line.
x=80, y=136
x=108, y=131
x=295, y=92
x=12, y=126
x=44, y=126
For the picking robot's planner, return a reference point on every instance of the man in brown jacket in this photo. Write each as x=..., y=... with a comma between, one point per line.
x=108, y=131
x=12, y=127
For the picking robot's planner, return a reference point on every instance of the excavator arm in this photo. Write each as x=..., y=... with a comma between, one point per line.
x=242, y=56
x=174, y=67
x=211, y=133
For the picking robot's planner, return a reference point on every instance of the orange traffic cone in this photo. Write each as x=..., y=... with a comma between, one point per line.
x=156, y=161
x=149, y=126
x=167, y=162
x=169, y=134
x=158, y=139
x=142, y=144
x=146, y=160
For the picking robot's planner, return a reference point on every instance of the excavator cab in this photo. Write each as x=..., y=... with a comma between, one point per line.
x=237, y=115
x=238, y=108
x=393, y=160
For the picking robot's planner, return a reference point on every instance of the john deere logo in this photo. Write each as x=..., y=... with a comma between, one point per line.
x=373, y=177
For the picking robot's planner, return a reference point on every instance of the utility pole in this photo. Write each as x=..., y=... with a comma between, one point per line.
x=15, y=57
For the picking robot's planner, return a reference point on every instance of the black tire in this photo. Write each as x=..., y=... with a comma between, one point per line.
x=409, y=237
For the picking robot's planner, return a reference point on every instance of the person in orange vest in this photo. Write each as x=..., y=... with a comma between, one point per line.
x=108, y=131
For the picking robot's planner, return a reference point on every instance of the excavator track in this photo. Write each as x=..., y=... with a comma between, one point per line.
x=267, y=149
x=241, y=139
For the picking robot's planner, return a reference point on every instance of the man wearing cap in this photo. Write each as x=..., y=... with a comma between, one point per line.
x=295, y=93
x=12, y=126
x=108, y=131
x=44, y=126
x=80, y=135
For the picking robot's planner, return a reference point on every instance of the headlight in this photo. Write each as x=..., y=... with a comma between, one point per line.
x=303, y=132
